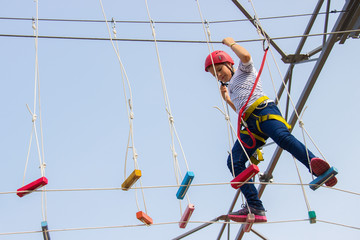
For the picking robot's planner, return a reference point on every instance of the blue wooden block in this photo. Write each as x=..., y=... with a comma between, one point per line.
x=185, y=185
x=44, y=227
x=320, y=180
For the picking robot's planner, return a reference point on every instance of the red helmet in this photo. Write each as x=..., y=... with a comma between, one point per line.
x=218, y=56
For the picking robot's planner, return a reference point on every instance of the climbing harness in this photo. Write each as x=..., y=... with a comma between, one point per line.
x=243, y=116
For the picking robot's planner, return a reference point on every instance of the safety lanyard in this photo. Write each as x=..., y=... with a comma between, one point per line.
x=242, y=113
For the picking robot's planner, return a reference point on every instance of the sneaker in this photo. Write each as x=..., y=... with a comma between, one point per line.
x=241, y=215
x=331, y=182
x=319, y=166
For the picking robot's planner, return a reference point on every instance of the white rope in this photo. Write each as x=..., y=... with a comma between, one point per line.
x=302, y=126
x=28, y=155
x=233, y=130
x=129, y=107
x=177, y=186
x=302, y=186
x=37, y=100
x=173, y=131
x=338, y=224
x=225, y=112
x=177, y=222
x=301, y=123
x=124, y=77
x=261, y=32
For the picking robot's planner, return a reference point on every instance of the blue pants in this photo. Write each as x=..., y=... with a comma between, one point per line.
x=278, y=132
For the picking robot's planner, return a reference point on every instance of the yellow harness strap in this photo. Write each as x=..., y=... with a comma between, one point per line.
x=253, y=106
x=260, y=119
x=264, y=118
x=257, y=157
x=255, y=136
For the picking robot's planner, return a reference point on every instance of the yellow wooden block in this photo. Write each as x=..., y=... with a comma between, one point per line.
x=133, y=177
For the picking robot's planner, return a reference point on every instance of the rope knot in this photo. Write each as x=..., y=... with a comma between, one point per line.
x=135, y=156
x=152, y=23
x=301, y=124
x=34, y=117
x=131, y=115
x=171, y=119
x=33, y=24
x=227, y=117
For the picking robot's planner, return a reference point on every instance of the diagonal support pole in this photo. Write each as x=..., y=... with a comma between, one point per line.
x=252, y=20
x=306, y=92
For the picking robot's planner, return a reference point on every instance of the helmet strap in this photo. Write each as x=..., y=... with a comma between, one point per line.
x=230, y=68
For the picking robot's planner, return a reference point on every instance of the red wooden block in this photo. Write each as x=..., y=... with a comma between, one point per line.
x=32, y=186
x=144, y=218
x=186, y=216
x=244, y=176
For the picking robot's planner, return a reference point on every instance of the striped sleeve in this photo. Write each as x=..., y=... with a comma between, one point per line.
x=241, y=84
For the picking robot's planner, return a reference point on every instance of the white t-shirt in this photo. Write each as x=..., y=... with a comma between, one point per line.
x=241, y=84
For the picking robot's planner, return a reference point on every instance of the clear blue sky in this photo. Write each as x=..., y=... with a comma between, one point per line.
x=86, y=127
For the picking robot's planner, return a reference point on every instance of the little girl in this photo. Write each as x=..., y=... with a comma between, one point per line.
x=262, y=119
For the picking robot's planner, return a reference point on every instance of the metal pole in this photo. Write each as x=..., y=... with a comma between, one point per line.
x=230, y=210
x=252, y=20
x=197, y=229
x=301, y=45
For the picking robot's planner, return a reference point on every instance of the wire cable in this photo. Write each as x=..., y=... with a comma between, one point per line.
x=164, y=22
x=174, y=41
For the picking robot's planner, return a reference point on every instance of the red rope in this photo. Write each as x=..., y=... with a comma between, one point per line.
x=241, y=112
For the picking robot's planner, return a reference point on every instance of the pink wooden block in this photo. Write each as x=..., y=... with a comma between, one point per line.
x=244, y=176
x=186, y=216
x=32, y=186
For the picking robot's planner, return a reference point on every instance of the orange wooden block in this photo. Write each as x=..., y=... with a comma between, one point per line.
x=144, y=218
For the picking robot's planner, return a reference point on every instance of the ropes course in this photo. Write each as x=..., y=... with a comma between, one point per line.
x=135, y=82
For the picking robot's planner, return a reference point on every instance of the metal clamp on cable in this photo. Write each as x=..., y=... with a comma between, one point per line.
x=244, y=123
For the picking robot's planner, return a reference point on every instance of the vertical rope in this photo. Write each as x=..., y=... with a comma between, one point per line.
x=302, y=186
x=129, y=108
x=230, y=128
x=297, y=114
x=231, y=141
x=37, y=100
x=28, y=153
x=301, y=123
x=173, y=132
x=268, y=42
